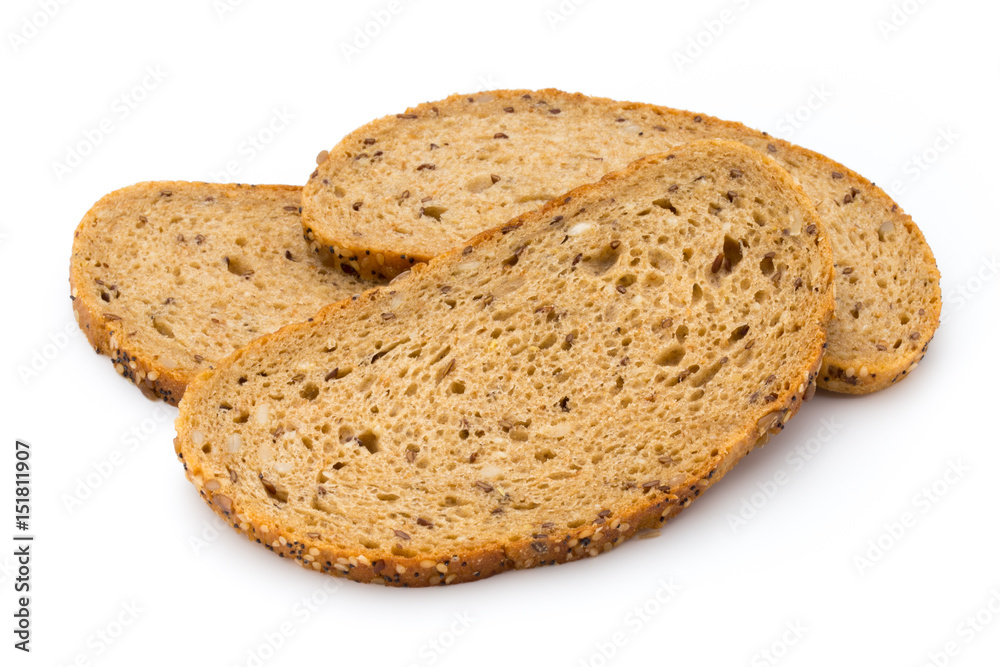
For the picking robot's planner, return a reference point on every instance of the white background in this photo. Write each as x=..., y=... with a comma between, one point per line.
x=881, y=95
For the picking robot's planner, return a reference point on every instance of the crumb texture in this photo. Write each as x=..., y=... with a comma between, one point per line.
x=170, y=277
x=537, y=395
x=410, y=186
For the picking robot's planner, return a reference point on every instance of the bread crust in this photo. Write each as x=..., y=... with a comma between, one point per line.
x=451, y=566
x=107, y=333
x=376, y=259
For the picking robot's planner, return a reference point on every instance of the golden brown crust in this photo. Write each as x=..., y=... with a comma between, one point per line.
x=845, y=370
x=105, y=331
x=126, y=340
x=104, y=336
x=847, y=375
x=604, y=532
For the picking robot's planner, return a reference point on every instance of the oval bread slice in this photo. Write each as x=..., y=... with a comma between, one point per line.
x=169, y=277
x=409, y=186
x=535, y=396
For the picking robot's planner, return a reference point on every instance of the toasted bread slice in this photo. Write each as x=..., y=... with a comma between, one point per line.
x=409, y=186
x=535, y=396
x=168, y=277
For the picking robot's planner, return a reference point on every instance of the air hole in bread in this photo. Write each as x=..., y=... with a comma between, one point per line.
x=603, y=261
x=162, y=327
x=545, y=454
x=440, y=355
x=732, y=251
x=671, y=356
x=369, y=441
x=338, y=373
x=535, y=197
x=238, y=266
x=739, y=333
x=434, y=212
x=709, y=373
x=627, y=280
x=382, y=352
x=664, y=203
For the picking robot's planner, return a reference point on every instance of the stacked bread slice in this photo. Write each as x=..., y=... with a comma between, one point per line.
x=409, y=186
x=539, y=393
x=168, y=278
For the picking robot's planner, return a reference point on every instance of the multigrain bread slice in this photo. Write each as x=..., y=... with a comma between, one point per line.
x=535, y=396
x=409, y=186
x=168, y=277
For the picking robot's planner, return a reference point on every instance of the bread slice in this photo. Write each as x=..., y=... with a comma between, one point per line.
x=537, y=395
x=169, y=277
x=407, y=187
